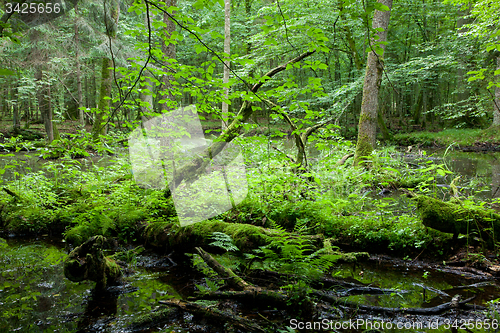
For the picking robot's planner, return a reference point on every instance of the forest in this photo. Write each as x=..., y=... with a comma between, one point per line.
x=249, y=166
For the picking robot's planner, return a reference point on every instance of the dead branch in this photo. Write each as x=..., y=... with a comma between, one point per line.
x=194, y=168
x=287, y=156
x=215, y=314
x=232, y=279
x=11, y=193
x=278, y=69
x=344, y=159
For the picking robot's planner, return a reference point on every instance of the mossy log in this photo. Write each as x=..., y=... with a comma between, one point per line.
x=170, y=236
x=453, y=217
x=232, y=279
x=87, y=262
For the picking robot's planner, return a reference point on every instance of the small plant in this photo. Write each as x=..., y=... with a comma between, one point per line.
x=223, y=241
x=211, y=286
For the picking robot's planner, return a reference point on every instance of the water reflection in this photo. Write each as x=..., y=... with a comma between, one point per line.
x=495, y=178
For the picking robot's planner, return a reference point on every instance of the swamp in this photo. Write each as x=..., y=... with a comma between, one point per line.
x=250, y=166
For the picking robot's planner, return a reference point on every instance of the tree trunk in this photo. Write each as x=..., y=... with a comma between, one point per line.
x=496, y=104
x=111, y=18
x=16, y=122
x=146, y=96
x=495, y=179
x=367, y=128
x=44, y=105
x=463, y=93
x=198, y=164
x=100, y=119
x=169, y=52
x=227, y=63
x=78, y=72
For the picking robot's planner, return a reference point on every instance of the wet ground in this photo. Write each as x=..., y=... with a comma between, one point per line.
x=36, y=297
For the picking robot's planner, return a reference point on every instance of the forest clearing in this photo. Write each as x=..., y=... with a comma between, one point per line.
x=249, y=166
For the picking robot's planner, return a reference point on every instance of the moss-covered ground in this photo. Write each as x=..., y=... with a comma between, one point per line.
x=338, y=203
x=460, y=137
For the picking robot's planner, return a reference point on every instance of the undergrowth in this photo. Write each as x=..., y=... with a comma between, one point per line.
x=340, y=202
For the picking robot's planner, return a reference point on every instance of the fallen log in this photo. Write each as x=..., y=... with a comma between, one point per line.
x=215, y=314
x=172, y=237
x=303, y=306
x=227, y=274
x=453, y=217
x=439, y=309
x=268, y=297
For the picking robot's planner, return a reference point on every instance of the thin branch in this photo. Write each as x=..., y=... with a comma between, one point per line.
x=278, y=69
x=284, y=22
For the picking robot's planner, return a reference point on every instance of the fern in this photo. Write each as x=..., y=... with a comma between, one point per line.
x=223, y=241
x=212, y=286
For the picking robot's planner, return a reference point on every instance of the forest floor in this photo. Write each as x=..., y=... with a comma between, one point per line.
x=464, y=139
x=287, y=240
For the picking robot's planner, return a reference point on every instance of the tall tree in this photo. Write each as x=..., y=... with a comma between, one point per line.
x=78, y=71
x=367, y=128
x=227, y=62
x=496, y=101
x=169, y=54
x=111, y=17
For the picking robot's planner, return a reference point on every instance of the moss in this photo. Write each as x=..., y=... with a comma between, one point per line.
x=353, y=256
x=170, y=235
x=156, y=318
x=456, y=218
x=94, y=222
x=87, y=262
x=245, y=236
x=399, y=233
x=363, y=149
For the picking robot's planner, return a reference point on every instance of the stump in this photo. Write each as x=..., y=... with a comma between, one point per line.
x=87, y=262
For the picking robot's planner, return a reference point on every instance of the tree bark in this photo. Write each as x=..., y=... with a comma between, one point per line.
x=99, y=127
x=16, y=122
x=227, y=62
x=367, y=127
x=111, y=18
x=78, y=72
x=169, y=52
x=496, y=102
x=43, y=96
x=463, y=93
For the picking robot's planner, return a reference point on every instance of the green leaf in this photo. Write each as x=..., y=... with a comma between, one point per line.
x=380, y=7
x=4, y=71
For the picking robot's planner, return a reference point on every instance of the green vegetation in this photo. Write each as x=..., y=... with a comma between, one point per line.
x=76, y=89
x=460, y=137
